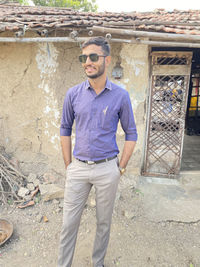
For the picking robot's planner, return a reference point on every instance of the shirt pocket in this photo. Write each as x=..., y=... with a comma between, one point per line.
x=108, y=119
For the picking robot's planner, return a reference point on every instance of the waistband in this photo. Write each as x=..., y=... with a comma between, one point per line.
x=90, y=162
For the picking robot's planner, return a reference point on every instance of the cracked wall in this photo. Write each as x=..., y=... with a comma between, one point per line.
x=34, y=80
x=135, y=63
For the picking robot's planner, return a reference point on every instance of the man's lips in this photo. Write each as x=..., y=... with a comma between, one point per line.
x=90, y=68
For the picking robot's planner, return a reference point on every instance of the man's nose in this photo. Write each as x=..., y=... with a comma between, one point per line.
x=88, y=60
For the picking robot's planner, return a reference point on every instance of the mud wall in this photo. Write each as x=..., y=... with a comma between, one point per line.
x=34, y=79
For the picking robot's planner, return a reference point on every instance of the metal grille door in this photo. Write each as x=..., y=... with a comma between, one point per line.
x=168, y=99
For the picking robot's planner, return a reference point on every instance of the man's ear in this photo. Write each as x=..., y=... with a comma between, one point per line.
x=108, y=60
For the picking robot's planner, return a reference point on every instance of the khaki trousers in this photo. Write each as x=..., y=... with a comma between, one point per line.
x=80, y=179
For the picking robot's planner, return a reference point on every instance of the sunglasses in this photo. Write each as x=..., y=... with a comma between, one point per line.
x=92, y=57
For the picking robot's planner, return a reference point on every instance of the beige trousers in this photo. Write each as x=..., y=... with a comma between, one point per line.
x=80, y=179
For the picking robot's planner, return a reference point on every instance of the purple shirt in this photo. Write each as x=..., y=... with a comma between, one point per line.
x=96, y=118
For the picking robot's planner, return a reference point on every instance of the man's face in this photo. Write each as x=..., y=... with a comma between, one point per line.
x=94, y=70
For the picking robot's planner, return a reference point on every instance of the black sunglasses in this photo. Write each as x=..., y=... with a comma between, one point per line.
x=92, y=57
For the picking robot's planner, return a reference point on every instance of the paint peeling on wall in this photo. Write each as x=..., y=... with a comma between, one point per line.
x=46, y=59
x=126, y=80
x=55, y=137
x=136, y=64
x=134, y=102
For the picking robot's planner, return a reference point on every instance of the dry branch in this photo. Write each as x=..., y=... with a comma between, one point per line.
x=10, y=181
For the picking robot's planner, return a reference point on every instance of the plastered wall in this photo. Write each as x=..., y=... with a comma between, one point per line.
x=34, y=79
x=135, y=62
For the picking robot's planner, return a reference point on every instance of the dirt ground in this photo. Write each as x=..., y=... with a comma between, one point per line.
x=135, y=240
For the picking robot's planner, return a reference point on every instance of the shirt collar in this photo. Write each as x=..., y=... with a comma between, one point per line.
x=107, y=86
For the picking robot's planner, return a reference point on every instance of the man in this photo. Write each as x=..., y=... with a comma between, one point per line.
x=96, y=105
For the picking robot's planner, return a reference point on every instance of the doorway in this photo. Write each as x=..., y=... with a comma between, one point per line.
x=170, y=77
x=191, y=145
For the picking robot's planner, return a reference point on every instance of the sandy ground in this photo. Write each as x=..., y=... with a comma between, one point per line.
x=135, y=240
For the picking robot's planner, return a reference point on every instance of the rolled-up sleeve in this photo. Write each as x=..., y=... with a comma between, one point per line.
x=127, y=119
x=67, y=116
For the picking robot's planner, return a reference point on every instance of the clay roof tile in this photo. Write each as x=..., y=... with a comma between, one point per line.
x=13, y=17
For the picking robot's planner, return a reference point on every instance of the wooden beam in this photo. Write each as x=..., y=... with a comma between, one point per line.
x=154, y=35
x=171, y=70
x=138, y=22
x=112, y=40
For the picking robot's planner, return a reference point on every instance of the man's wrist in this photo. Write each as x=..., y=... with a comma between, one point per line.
x=67, y=164
x=122, y=170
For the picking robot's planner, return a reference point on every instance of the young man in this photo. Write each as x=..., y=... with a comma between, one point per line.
x=96, y=105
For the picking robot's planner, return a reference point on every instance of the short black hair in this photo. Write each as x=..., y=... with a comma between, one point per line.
x=99, y=41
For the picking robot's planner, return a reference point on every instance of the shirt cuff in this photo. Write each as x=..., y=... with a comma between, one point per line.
x=131, y=137
x=65, y=132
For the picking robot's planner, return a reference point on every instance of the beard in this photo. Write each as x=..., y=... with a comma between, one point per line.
x=99, y=73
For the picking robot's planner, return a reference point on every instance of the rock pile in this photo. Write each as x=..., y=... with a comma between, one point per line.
x=39, y=189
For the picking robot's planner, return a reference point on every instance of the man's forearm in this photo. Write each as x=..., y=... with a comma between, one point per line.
x=66, y=149
x=127, y=152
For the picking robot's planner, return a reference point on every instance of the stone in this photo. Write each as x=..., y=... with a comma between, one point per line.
x=39, y=218
x=92, y=202
x=28, y=197
x=163, y=224
x=55, y=201
x=36, y=182
x=31, y=177
x=58, y=210
x=23, y=192
x=61, y=204
x=128, y=214
x=51, y=191
x=118, y=195
x=49, y=178
x=30, y=186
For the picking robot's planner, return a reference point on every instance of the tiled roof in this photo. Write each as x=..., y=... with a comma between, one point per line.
x=14, y=17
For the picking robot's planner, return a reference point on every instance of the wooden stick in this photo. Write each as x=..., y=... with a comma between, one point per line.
x=9, y=165
x=9, y=179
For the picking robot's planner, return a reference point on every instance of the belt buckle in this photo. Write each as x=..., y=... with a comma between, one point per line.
x=89, y=162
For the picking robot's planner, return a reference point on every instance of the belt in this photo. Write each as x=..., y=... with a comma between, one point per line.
x=90, y=162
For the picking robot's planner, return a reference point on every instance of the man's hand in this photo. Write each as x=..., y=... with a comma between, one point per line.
x=122, y=170
x=126, y=154
x=66, y=149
